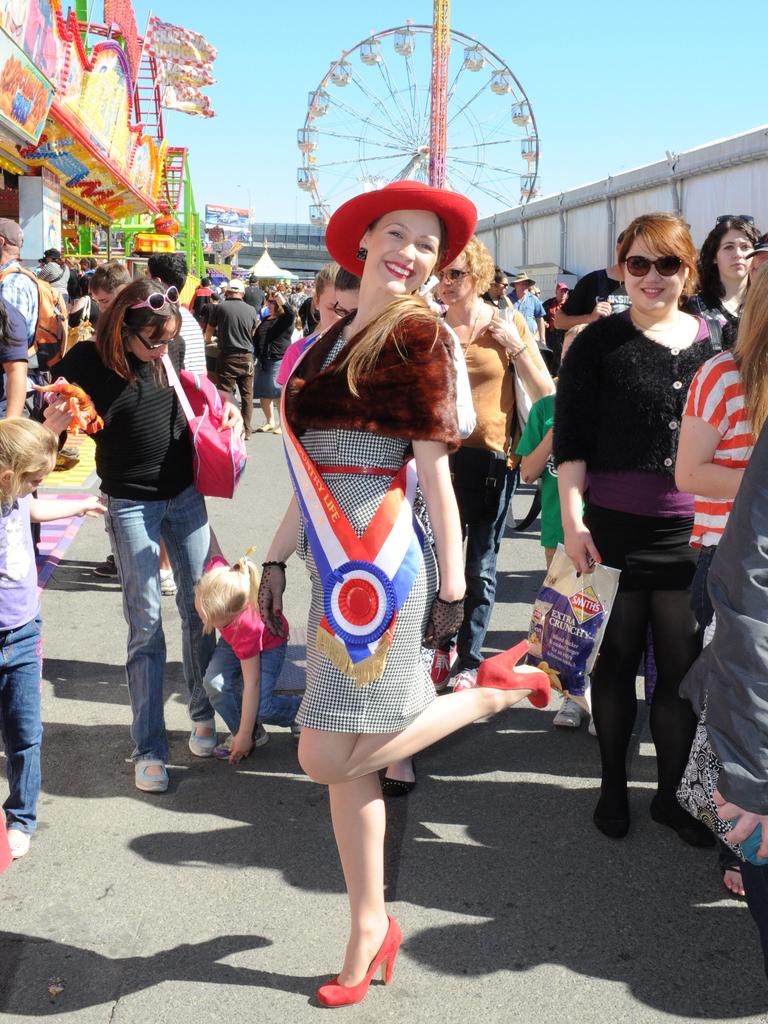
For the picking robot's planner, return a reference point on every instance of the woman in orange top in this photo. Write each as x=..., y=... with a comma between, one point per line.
x=495, y=349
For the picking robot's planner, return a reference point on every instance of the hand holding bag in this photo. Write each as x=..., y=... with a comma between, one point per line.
x=695, y=793
x=218, y=456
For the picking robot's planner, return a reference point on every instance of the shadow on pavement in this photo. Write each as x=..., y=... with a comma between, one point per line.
x=86, y=978
x=87, y=680
x=79, y=576
x=521, y=856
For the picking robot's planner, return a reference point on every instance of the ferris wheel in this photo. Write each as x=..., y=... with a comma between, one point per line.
x=368, y=123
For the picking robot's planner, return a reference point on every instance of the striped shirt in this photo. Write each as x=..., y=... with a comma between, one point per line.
x=194, y=358
x=717, y=397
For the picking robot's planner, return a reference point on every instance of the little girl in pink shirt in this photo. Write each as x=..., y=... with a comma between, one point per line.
x=241, y=677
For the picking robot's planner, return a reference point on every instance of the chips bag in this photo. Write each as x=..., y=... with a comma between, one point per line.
x=568, y=622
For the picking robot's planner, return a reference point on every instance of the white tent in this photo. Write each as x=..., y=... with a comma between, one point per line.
x=265, y=267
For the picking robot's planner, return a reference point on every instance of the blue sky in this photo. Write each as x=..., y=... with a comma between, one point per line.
x=609, y=92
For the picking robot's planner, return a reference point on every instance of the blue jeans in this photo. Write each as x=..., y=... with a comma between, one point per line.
x=224, y=685
x=755, y=878
x=135, y=528
x=20, y=721
x=483, y=541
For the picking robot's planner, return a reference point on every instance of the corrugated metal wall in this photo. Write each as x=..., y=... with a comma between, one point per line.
x=577, y=229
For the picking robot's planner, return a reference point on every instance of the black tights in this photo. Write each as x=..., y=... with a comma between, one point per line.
x=676, y=646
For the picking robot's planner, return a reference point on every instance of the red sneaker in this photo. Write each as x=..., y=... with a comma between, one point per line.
x=442, y=662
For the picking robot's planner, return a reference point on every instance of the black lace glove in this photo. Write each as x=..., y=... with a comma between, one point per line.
x=271, y=590
x=445, y=617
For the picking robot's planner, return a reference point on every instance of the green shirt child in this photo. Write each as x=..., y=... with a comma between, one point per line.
x=538, y=435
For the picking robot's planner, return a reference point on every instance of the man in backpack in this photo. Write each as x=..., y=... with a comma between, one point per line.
x=18, y=291
x=43, y=307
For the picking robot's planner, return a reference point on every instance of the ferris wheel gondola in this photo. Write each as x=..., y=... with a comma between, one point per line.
x=368, y=123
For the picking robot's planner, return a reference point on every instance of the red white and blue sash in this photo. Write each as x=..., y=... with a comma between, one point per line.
x=366, y=580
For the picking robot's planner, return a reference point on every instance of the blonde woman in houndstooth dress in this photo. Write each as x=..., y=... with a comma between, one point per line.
x=375, y=390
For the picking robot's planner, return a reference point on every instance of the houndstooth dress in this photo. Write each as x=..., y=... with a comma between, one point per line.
x=333, y=701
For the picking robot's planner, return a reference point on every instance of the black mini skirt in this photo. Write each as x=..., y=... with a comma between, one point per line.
x=652, y=552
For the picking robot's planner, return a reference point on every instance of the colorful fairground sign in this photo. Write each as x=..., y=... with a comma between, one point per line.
x=68, y=102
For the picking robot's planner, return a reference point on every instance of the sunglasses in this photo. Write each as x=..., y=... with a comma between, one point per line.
x=157, y=300
x=340, y=310
x=150, y=344
x=666, y=266
x=453, y=274
x=747, y=218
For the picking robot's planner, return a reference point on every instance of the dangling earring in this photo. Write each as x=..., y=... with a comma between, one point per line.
x=362, y=252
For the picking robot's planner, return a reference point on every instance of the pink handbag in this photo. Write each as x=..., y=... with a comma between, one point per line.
x=5, y=850
x=218, y=457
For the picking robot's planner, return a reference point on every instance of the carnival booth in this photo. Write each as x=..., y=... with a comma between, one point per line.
x=82, y=142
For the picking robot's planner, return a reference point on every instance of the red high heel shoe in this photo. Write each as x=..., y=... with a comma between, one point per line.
x=334, y=994
x=501, y=673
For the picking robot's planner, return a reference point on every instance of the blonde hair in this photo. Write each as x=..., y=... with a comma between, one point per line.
x=27, y=449
x=362, y=358
x=325, y=278
x=751, y=351
x=479, y=264
x=226, y=591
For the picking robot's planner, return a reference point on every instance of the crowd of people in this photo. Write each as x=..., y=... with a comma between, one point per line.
x=412, y=386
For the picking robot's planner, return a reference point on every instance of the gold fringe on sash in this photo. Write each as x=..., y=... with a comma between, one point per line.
x=363, y=672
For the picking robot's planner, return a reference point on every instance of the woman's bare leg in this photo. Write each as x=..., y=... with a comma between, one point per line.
x=359, y=823
x=266, y=408
x=331, y=757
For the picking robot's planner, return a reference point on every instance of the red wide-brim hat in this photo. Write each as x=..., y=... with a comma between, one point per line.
x=350, y=222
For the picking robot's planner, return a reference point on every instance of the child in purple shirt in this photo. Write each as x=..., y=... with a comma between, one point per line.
x=27, y=456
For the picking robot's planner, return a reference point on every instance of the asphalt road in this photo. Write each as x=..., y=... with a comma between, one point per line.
x=222, y=899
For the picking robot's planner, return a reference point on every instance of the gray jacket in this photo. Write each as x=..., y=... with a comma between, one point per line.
x=733, y=669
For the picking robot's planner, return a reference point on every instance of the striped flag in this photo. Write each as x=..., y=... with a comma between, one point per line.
x=184, y=64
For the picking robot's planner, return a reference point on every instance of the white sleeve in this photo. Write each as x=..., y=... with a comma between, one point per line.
x=465, y=410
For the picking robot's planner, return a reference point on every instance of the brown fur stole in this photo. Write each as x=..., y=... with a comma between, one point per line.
x=411, y=392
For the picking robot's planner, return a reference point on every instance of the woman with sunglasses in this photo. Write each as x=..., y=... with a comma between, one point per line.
x=144, y=461
x=370, y=413
x=619, y=405
x=724, y=263
x=493, y=345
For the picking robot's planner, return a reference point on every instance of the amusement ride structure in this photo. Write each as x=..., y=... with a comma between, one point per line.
x=419, y=102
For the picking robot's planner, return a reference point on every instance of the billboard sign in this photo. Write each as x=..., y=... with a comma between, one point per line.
x=25, y=94
x=228, y=218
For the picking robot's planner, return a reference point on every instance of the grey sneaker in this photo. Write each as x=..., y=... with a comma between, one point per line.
x=223, y=750
x=155, y=782
x=260, y=737
x=167, y=583
x=295, y=730
x=569, y=715
x=202, y=746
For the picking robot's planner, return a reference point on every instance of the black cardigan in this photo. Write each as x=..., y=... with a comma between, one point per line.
x=273, y=337
x=620, y=398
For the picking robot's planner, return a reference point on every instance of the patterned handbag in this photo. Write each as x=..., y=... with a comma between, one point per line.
x=695, y=793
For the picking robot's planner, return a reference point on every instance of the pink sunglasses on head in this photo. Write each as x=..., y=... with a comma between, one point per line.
x=157, y=300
